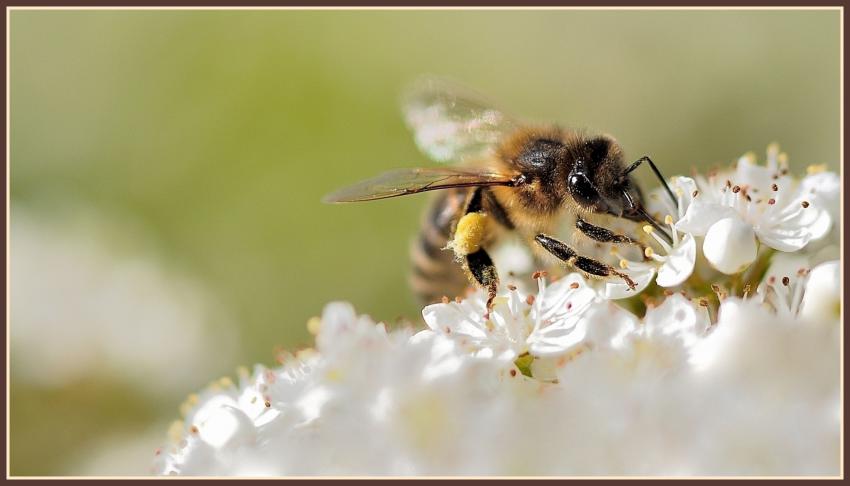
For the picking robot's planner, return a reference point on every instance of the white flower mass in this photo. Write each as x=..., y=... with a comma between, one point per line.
x=725, y=363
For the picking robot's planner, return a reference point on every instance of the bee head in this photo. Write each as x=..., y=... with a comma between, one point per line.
x=596, y=180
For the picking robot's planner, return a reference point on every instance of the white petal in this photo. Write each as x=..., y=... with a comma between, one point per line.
x=679, y=264
x=463, y=319
x=677, y=316
x=558, y=338
x=701, y=215
x=822, y=297
x=730, y=245
x=616, y=288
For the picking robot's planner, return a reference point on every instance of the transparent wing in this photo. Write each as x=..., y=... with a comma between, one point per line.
x=402, y=182
x=450, y=123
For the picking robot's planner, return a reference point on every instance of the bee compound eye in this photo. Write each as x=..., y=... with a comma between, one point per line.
x=582, y=190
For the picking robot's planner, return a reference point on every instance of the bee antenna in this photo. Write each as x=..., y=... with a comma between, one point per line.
x=657, y=173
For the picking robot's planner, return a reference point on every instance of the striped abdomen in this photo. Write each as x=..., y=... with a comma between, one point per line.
x=435, y=273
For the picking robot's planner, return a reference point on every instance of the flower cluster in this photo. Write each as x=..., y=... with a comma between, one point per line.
x=728, y=367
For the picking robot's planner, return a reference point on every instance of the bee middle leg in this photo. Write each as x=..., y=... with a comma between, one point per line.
x=566, y=254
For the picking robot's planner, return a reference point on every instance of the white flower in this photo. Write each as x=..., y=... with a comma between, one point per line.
x=730, y=245
x=82, y=308
x=563, y=381
x=792, y=289
x=784, y=213
x=672, y=262
x=545, y=324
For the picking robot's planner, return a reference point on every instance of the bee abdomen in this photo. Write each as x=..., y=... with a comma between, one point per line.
x=435, y=273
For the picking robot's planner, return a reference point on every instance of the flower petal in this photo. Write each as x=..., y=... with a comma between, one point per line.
x=679, y=264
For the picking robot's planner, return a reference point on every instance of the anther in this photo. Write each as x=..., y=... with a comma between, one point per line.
x=786, y=281
x=771, y=201
x=703, y=302
x=695, y=194
x=624, y=264
x=774, y=187
x=529, y=300
x=805, y=204
x=648, y=229
x=574, y=285
x=445, y=299
x=736, y=189
x=539, y=274
x=648, y=252
x=668, y=219
x=511, y=287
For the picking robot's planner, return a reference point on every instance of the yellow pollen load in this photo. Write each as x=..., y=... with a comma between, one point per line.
x=648, y=229
x=470, y=233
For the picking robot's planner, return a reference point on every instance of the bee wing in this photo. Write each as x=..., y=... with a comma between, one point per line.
x=450, y=123
x=402, y=182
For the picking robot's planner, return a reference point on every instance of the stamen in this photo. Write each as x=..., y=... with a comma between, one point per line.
x=815, y=169
x=774, y=187
x=805, y=204
x=771, y=201
x=786, y=281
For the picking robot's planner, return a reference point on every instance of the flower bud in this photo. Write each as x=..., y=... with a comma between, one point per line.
x=730, y=245
x=822, y=300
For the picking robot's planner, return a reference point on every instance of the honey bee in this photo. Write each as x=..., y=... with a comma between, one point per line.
x=510, y=177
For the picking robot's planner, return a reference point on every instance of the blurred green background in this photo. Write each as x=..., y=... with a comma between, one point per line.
x=216, y=133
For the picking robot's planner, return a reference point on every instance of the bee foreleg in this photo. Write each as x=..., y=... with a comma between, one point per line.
x=588, y=265
x=481, y=268
x=604, y=235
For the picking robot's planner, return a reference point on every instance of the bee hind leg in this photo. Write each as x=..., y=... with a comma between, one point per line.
x=481, y=268
x=588, y=265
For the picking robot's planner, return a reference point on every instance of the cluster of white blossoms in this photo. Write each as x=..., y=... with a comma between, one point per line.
x=728, y=364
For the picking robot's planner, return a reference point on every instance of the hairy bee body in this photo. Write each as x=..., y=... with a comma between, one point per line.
x=530, y=209
x=510, y=177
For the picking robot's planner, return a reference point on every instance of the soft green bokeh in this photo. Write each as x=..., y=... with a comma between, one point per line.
x=219, y=131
